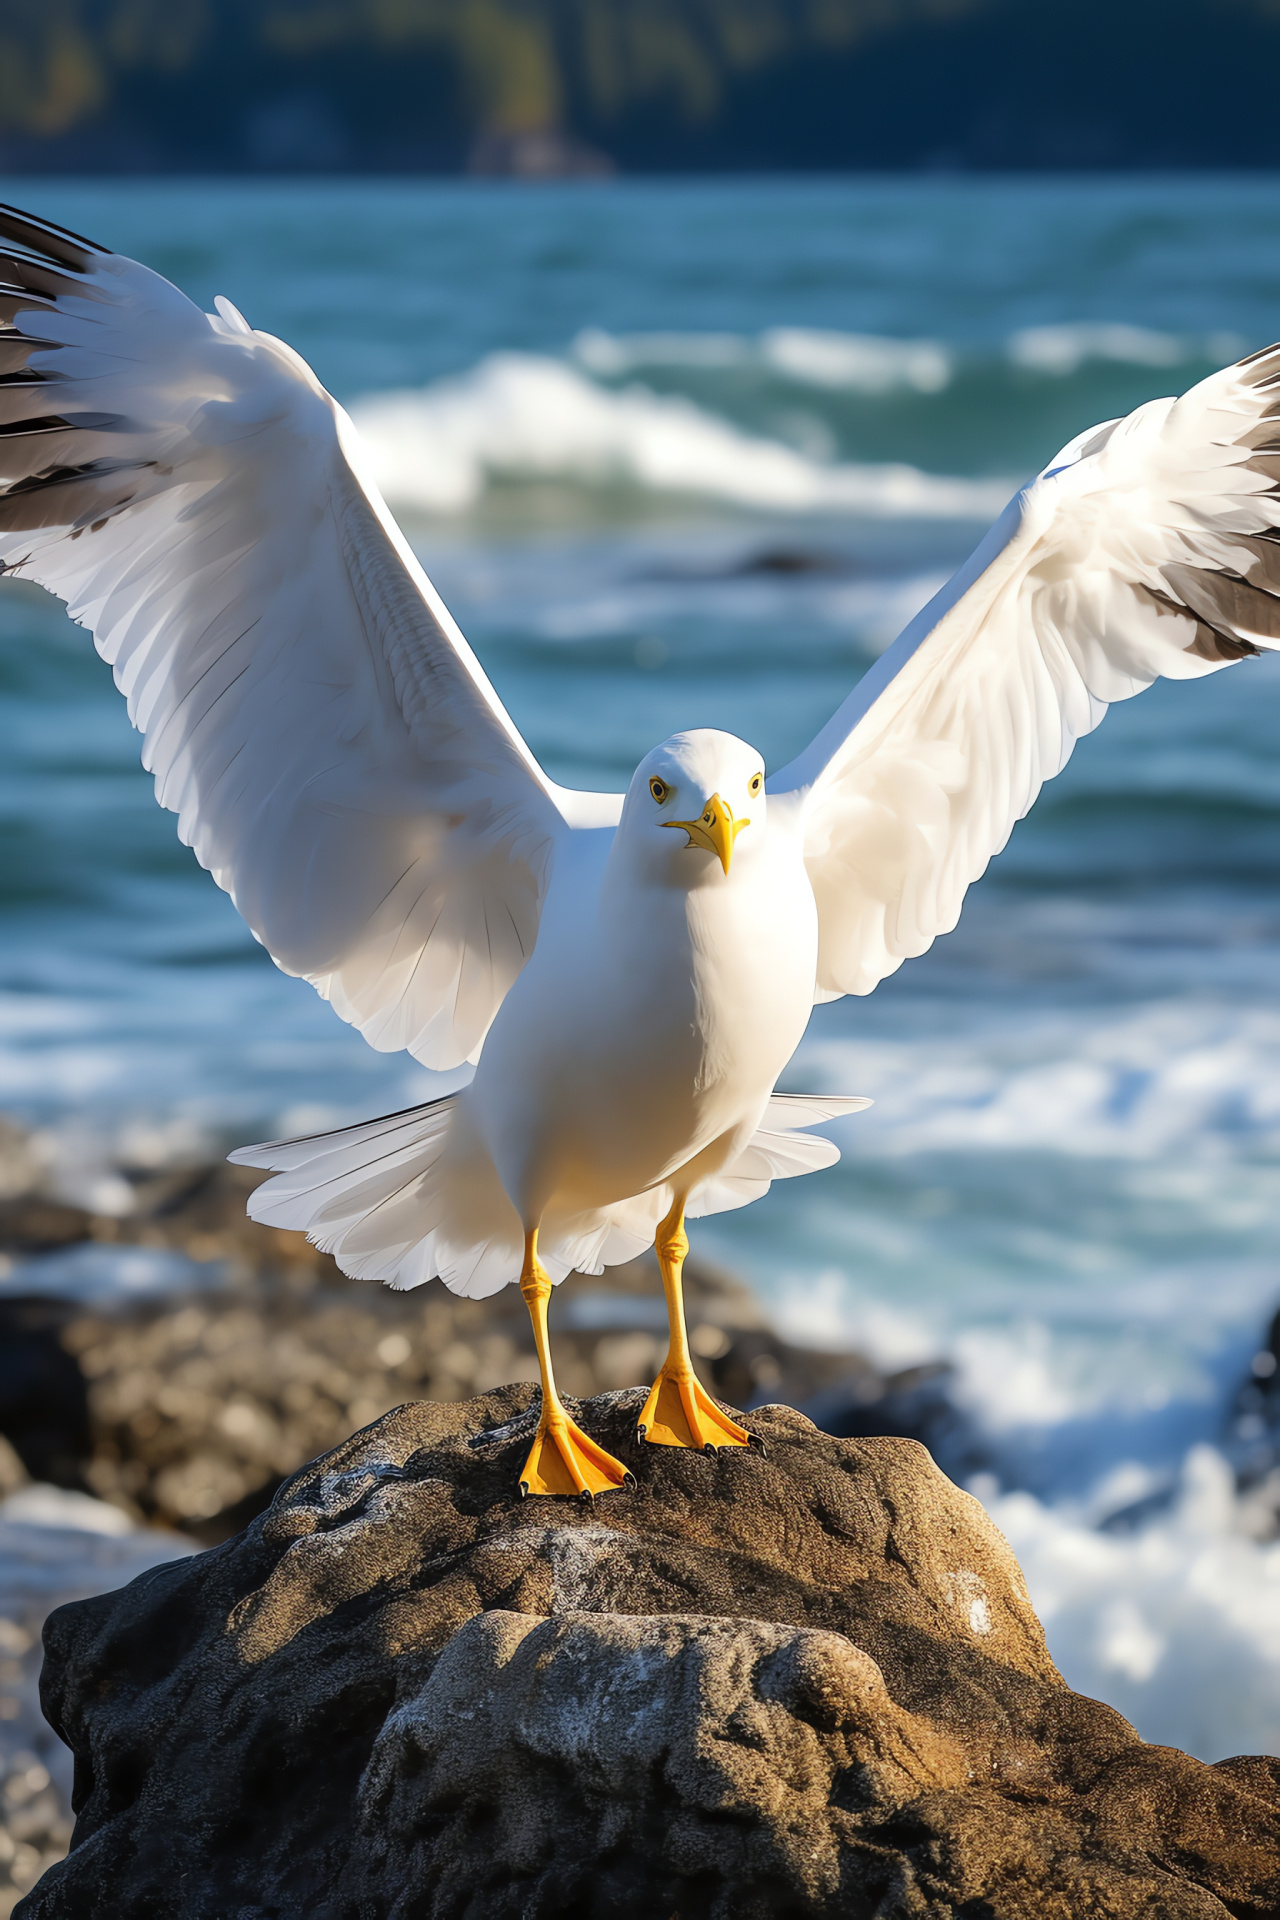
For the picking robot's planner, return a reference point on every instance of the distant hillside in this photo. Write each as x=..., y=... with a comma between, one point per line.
x=659, y=85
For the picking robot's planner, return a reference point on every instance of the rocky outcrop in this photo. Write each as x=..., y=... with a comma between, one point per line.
x=768, y=1685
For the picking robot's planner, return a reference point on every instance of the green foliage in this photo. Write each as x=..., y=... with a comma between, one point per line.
x=60, y=59
x=517, y=61
x=427, y=84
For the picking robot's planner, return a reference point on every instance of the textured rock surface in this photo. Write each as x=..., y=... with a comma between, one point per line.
x=808, y=1683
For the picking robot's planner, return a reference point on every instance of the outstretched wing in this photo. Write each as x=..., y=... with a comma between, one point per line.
x=333, y=751
x=1150, y=546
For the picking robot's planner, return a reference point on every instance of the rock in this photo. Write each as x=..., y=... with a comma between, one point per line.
x=29, y=1224
x=12, y=1472
x=1252, y=1439
x=43, y=1398
x=915, y=1403
x=807, y=1682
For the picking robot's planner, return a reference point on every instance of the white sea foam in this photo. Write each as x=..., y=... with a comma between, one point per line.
x=41, y=1505
x=861, y=362
x=613, y=355
x=527, y=416
x=881, y=364
x=809, y=356
x=1141, y=1263
x=817, y=1310
x=519, y=416
x=1177, y=1625
x=1179, y=1076
x=1060, y=1375
x=1064, y=349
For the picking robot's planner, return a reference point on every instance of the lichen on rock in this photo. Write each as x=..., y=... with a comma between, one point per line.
x=807, y=1682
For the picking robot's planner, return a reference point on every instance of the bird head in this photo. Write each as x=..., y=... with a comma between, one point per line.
x=691, y=799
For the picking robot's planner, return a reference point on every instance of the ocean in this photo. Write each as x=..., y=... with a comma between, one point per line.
x=692, y=453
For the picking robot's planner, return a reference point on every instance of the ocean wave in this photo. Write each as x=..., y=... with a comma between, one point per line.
x=870, y=613
x=611, y=356
x=810, y=356
x=1184, y=1078
x=1063, y=350
x=880, y=364
x=519, y=416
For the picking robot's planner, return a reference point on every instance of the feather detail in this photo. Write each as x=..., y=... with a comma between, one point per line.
x=335, y=755
x=1150, y=546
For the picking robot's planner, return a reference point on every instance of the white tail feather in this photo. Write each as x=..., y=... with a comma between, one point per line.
x=413, y=1195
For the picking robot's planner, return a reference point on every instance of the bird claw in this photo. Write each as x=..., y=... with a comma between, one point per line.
x=679, y=1412
x=565, y=1460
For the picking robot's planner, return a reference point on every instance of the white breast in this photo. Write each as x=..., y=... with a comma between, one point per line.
x=651, y=1022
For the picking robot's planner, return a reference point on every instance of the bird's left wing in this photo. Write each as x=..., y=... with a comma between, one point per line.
x=333, y=751
x=1150, y=546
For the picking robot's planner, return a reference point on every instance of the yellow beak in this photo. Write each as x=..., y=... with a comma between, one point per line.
x=716, y=830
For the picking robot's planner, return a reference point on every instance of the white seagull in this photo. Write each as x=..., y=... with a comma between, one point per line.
x=629, y=973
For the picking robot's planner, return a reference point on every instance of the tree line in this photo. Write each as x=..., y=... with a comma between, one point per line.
x=589, y=85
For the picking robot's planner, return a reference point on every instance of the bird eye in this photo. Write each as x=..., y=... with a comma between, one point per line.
x=659, y=789
x=755, y=783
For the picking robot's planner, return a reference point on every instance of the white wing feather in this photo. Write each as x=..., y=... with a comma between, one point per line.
x=1150, y=547
x=333, y=750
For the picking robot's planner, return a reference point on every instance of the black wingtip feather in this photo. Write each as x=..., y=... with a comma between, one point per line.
x=1264, y=359
x=22, y=274
x=37, y=423
x=59, y=244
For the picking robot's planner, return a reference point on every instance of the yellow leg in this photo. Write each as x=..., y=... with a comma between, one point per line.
x=563, y=1458
x=679, y=1412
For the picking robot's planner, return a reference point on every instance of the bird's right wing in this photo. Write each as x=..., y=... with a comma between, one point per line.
x=333, y=750
x=1150, y=546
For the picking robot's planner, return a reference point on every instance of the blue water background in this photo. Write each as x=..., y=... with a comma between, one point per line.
x=1070, y=1179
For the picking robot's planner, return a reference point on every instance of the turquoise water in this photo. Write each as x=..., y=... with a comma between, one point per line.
x=692, y=454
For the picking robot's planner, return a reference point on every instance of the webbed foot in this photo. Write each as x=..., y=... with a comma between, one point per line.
x=565, y=1460
x=681, y=1413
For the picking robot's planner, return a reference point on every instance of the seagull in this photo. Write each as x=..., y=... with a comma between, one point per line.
x=628, y=974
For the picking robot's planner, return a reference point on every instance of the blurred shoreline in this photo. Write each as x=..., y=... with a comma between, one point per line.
x=547, y=90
